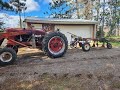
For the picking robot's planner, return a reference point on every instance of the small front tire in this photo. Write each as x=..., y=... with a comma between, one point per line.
x=7, y=56
x=15, y=48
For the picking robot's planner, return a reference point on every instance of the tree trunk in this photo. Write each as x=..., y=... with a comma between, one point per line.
x=119, y=26
x=77, y=8
x=103, y=20
x=20, y=19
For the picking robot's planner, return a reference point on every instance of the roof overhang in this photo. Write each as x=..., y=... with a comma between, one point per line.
x=58, y=21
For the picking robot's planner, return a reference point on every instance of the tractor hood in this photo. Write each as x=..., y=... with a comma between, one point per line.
x=19, y=30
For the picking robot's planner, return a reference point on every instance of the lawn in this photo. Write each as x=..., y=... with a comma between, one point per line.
x=116, y=44
x=115, y=40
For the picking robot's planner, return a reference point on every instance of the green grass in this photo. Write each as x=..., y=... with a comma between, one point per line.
x=115, y=40
x=114, y=37
x=116, y=44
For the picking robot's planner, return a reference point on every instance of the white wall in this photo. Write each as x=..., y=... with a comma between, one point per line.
x=85, y=31
x=37, y=26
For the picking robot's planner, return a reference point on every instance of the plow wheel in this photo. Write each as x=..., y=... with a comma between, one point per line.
x=86, y=47
x=109, y=45
x=55, y=44
x=7, y=56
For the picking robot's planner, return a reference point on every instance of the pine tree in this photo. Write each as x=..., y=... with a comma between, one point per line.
x=114, y=16
x=1, y=24
x=59, y=9
x=69, y=8
x=5, y=6
x=19, y=6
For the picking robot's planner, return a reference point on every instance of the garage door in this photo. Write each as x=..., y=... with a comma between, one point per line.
x=84, y=31
x=37, y=26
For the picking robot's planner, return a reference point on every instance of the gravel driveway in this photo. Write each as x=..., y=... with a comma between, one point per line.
x=98, y=61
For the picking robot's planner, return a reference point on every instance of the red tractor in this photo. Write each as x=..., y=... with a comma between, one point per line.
x=54, y=44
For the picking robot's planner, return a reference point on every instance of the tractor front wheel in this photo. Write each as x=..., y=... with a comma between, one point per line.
x=55, y=44
x=15, y=48
x=7, y=56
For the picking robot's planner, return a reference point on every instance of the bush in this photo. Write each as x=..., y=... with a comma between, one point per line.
x=100, y=33
x=1, y=30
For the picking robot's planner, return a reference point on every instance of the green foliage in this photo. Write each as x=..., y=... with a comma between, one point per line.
x=1, y=24
x=1, y=30
x=5, y=6
x=115, y=40
x=100, y=33
x=19, y=6
x=108, y=14
x=59, y=9
x=70, y=9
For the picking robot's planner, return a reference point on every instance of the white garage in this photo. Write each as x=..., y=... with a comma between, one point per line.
x=79, y=30
x=83, y=28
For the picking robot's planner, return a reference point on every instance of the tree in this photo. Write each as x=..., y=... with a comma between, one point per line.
x=114, y=18
x=71, y=9
x=19, y=6
x=5, y=6
x=1, y=24
x=107, y=12
x=58, y=9
x=64, y=9
x=88, y=9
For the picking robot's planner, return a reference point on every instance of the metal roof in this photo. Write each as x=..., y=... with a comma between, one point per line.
x=59, y=21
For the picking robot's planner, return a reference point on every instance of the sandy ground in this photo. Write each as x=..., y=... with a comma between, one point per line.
x=97, y=62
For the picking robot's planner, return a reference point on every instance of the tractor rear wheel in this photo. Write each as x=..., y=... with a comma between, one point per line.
x=7, y=56
x=86, y=47
x=55, y=44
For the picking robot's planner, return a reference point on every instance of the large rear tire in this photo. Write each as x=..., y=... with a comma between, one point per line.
x=55, y=44
x=7, y=56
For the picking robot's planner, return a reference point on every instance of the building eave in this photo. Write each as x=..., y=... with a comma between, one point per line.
x=59, y=21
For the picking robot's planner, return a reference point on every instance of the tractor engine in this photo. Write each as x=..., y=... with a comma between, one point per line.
x=28, y=39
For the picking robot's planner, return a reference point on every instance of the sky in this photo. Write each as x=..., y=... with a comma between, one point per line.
x=35, y=8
